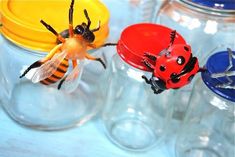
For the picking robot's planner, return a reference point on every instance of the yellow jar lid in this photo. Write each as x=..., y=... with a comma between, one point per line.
x=21, y=20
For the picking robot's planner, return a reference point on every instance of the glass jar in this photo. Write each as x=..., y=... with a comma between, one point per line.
x=134, y=117
x=208, y=128
x=24, y=41
x=207, y=26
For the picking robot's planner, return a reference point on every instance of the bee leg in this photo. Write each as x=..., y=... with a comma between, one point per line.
x=148, y=64
x=88, y=56
x=40, y=62
x=61, y=82
x=51, y=29
x=104, y=45
x=34, y=65
x=71, y=19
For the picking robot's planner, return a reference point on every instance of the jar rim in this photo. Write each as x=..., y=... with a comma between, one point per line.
x=141, y=38
x=217, y=63
x=21, y=22
x=202, y=8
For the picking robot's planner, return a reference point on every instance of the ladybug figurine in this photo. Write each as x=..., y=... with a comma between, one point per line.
x=173, y=67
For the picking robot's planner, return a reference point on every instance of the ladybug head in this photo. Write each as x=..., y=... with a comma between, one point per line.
x=176, y=67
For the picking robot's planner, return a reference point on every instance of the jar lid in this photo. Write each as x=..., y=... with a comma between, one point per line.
x=140, y=38
x=21, y=21
x=218, y=63
x=216, y=4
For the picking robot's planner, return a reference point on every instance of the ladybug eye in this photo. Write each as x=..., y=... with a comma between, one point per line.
x=186, y=48
x=180, y=60
x=162, y=68
x=174, y=78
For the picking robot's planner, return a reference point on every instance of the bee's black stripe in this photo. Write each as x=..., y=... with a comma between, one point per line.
x=50, y=81
x=56, y=77
x=64, y=65
x=44, y=82
x=61, y=70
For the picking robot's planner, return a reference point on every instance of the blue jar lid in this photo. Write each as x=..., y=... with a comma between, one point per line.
x=216, y=4
x=218, y=63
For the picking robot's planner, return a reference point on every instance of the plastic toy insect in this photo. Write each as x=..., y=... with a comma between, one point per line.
x=227, y=73
x=174, y=67
x=53, y=67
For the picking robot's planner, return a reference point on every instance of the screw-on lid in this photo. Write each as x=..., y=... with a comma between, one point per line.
x=21, y=20
x=216, y=4
x=138, y=39
x=218, y=63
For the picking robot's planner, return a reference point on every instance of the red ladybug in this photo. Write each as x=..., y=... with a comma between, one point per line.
x=173, y=67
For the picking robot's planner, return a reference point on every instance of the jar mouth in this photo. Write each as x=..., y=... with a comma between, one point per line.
x=217, y=11
x=25, y=49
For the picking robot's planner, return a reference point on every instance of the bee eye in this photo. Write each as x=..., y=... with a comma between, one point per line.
x=180, y=60
x=79, y=30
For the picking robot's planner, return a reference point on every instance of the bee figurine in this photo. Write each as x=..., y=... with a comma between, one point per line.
x=53, y=67
x=172, y=68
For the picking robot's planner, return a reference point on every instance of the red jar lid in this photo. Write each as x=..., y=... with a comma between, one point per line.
x=138, y=39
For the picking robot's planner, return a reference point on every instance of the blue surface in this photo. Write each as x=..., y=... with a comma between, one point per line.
x=218, y=4
x=218, y=63
x=86, y=141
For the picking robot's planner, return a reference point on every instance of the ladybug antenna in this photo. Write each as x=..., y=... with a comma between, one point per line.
x=202, y=69
x=172, y=36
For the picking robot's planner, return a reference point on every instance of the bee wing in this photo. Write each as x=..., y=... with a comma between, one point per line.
x=72, y=80
x=48, y=68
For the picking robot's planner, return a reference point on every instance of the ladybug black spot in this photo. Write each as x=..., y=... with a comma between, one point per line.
x=174, y=78
x=190, y=78
x=162, y=68
x=180, y=60
x=186, y=48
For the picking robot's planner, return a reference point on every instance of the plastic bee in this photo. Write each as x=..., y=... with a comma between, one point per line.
x=173, y=68
x=53, y=67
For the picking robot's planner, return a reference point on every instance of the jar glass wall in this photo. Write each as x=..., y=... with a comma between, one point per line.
x=203, y=28
x=206, y=29
x=134, y=117
x=71, y=80
x=45, y=107
x=208, y=128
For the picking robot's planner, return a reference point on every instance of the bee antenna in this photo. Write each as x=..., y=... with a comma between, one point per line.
x=96, y=29
x=88, y=19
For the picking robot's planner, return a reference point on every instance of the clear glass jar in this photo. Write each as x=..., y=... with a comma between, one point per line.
x=127, y=12
x=134, y=117
x=44, y=106
x=208, y=128
x=207, y=26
